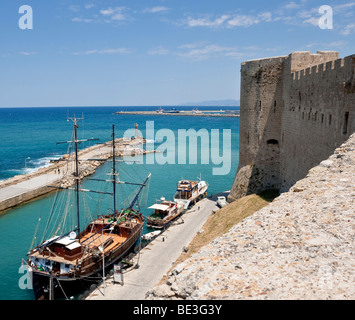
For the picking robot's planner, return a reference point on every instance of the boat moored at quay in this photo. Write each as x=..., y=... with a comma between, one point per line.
x=165, y=212
x=188, y=192
x=65, y=262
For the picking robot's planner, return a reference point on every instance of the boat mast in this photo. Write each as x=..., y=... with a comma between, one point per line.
x=77, y=172
x=114, y=171
x=139, y=191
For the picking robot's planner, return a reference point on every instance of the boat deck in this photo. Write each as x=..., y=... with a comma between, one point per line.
x=99, y=239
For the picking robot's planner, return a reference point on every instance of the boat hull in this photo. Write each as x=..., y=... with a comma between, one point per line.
x=65, y=286
x=162, y=223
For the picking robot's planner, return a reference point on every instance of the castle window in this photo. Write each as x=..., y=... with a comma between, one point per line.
x=274, y=106
x=272, y=141
x=330, y=119
x=322, y=119
x=260, y=105
x=346, y=120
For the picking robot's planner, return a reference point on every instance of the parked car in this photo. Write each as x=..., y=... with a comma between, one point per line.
x=221, y=202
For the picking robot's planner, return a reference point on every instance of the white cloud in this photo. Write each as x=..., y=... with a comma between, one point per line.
x=27, y=53
x=327, y=45
x=292, y=5
x=266, y=16
x=348, y=29
x=206, y=22
x=77, y=19
x=116, y=14
x=229, y=21
x=74, y=8
x=156, y=9
x=89, y=6
x=104, y=51
x=201, y=51
x=243, y=21
x=343, y=7
x=193, y=45
x=159, y=51
x=313, y=21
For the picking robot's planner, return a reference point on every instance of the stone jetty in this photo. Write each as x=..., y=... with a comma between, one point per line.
x=22, y=188
x=202, y=113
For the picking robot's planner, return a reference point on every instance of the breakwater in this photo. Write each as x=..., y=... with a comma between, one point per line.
x=60, y=173
x=202, y=113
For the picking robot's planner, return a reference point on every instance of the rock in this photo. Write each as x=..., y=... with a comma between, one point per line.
x=326, y=163
x=162, y=291
x=296, y=189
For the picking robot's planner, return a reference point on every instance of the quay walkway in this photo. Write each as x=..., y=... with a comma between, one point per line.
x=156, y=259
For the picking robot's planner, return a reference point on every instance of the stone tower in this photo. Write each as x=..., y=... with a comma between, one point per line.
x=294, y=111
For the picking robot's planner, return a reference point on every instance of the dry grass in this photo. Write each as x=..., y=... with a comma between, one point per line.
x=223, y=220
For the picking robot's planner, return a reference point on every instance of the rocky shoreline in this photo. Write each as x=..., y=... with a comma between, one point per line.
x=60, y=173
x=301, y=246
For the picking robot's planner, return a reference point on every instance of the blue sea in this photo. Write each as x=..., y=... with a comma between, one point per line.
x=28, y=142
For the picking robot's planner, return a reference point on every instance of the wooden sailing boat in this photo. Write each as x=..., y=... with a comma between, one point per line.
x=65, y=260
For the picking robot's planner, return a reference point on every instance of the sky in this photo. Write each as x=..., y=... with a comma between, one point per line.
x=153, y=52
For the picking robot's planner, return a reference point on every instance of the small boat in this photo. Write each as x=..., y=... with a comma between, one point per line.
x=196, y=111
x=173, y=110
x=164, y=213
x=151, y=235
x=66, y=260
x=189, y=192
x=160, y=110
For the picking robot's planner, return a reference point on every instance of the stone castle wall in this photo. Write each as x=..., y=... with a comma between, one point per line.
x=295, y=110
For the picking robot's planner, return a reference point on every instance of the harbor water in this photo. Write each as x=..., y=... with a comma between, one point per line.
x=28, y=142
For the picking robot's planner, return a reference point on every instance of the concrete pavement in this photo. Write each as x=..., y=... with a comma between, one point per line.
x=157, y=257
x=28, y=185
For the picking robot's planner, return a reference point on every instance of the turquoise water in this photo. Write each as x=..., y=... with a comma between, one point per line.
x=28, y=141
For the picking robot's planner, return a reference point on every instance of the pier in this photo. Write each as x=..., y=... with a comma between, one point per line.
x=202, y=113
x=155, y=260
x=23, y=188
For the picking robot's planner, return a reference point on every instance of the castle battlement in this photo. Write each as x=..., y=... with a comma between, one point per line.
x=294, y=111
x=335, y=66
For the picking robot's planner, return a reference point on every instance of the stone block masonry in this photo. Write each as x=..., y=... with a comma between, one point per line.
x=299, y=247
x=295, y=110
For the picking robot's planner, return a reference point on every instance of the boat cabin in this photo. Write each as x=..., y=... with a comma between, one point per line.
x=185, y=189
